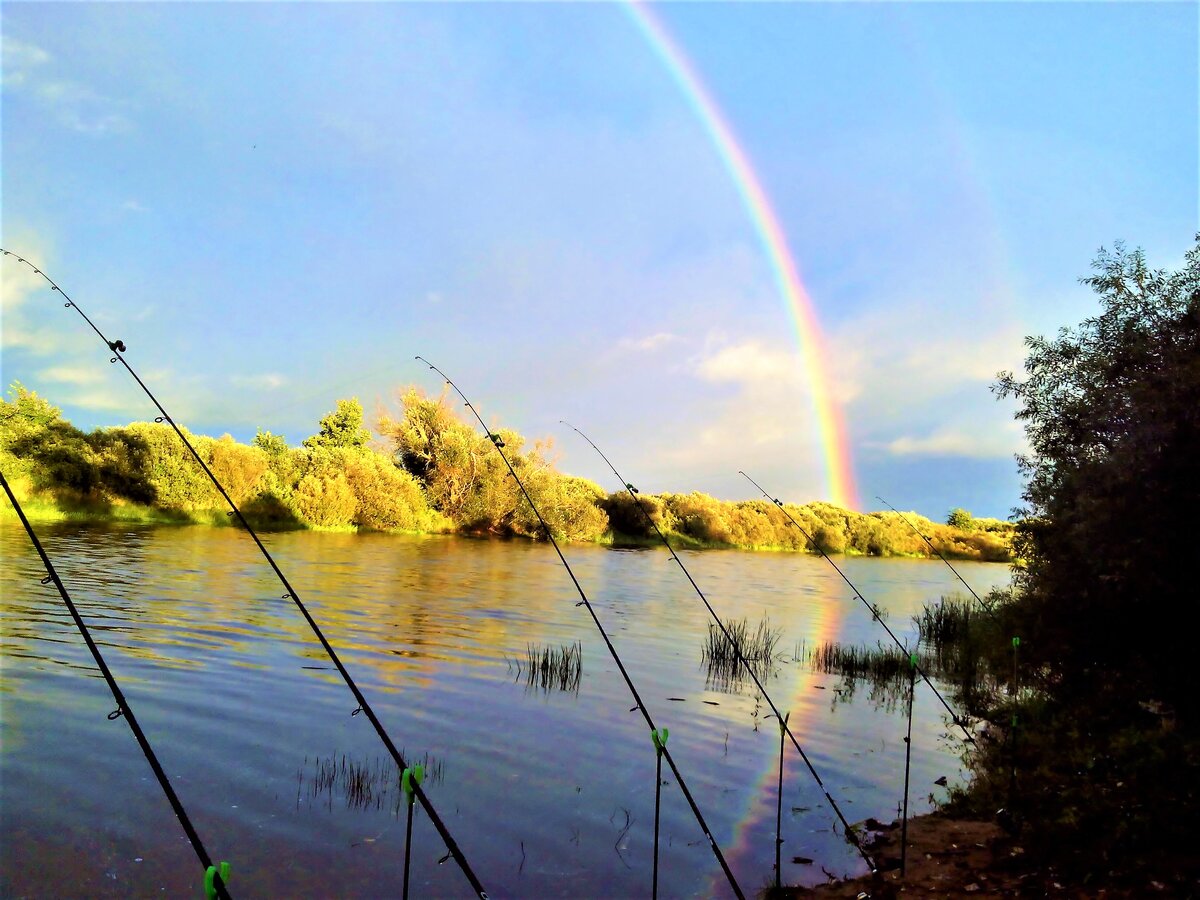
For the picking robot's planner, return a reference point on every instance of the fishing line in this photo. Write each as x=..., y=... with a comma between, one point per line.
x=632, y=491
x=118, y=348
x=641, y=707
x=960, y=722
x=986, y=606
x=1016, y=643
x=123, y=710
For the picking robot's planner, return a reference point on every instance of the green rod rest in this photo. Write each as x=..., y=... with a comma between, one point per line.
x=210, y=880
x=411, y=774
x=660, y=739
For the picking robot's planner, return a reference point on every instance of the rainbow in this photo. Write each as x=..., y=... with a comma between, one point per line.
x=820, y=621
x=835, y=447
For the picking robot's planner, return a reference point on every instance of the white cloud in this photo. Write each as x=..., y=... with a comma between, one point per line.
x=268, y=381
x=27, y=68
x=753, y=365
x=906, y=362
x=760, y=418
x=18, y=283
x=72, y=374
x=646, y=344
x=116, y=399
x=19, y=58
x=988, y=442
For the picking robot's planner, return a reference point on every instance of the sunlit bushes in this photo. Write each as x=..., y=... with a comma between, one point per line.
x=434, y=473
x=324, y=500
x=697, y=519
x=388, y=497
x=239, y=468
x=332, y=482
x=569, y=505
x=467, y=481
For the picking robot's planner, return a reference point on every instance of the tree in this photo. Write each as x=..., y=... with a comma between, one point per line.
x=961, y=519
x=36, y=443
x=1112, y=412
x=463, y=475
x=275, y=445
x=342, y=428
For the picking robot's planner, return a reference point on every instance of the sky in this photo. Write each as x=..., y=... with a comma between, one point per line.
x=276, y=205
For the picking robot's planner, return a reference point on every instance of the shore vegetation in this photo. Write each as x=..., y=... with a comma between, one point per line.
x=427, y=471
x=1080, y=676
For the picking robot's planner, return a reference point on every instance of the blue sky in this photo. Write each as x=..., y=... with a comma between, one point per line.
x=276, y=205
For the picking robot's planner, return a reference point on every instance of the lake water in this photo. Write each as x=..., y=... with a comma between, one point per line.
x=548, y=792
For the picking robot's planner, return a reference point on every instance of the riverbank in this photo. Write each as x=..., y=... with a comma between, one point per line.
x=952, y=857
x=428, y=473
x=49, y=509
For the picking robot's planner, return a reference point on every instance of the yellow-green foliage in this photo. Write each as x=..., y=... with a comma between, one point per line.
x=335, y=482
x=387, y=496
x=439, y=474
x=37, y=444
x=702, y=520
x=468, y=482
x=238, y=467
x=324, y=500
x=170, y=471
x=569, y=505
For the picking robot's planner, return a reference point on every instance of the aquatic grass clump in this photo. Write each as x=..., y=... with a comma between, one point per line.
x=971, y=648
x=947, y=623
x=551, y=668
x=724, y=651
x=884, y=669
x=363, y=785
x=876, y=663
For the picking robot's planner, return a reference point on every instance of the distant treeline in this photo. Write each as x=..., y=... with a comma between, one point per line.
x=428, y=472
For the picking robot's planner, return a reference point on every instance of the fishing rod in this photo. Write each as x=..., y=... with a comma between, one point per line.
x=586, y=603
x=960, y=722
x=1016, y=643
x=633, y=493
x=215, y=876
x=118, y=349
x=986, y=606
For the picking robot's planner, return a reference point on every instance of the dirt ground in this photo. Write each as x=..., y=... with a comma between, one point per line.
x=957, y=858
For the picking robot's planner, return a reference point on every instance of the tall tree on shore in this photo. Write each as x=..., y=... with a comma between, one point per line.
x=342, y=428
x=1112, y=412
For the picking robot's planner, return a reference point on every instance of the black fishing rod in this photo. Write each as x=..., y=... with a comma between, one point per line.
x=585, y=602
x=118, y=349
x=986, y=606
x=1016, y=643
x=214, y=876
x=960, y=722
x=633, y=493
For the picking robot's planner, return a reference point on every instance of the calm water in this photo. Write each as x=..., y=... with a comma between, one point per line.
x=538, y=787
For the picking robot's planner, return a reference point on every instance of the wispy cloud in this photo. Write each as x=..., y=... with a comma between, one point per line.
x=19, y=283
x=752, y=364
x=115, y=399
x=80, y=375
x=28, y=69
x=646, y=344
x=952, y=441
x=20, y=59
x=758, y=417
x=267, y=381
